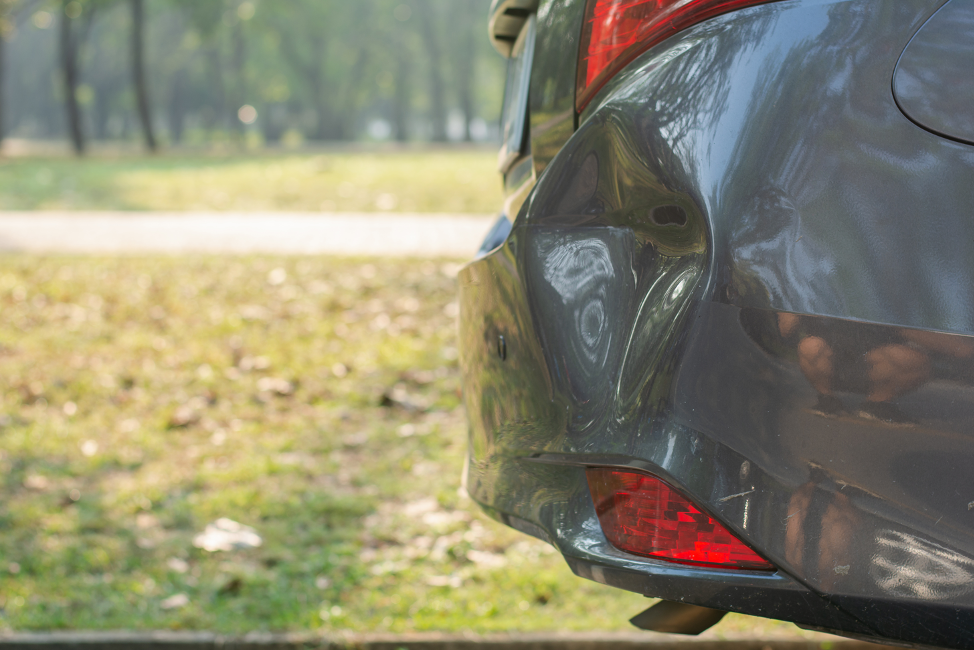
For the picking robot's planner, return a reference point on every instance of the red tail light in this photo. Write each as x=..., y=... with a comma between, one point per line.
x=641, y=514
x=617, y=31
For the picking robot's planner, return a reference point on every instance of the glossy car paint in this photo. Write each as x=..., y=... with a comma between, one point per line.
x=551, y=112
x=742, y=207
x=552, y=97
x=934, y=80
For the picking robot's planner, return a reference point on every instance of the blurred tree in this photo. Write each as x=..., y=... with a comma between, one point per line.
x=243, y=11
x=306, y=53
x=138, y=72
x=400, y=102
x=177, y=67
x=463, y=34
x=70, y=39
x=323, y=44
x=7, y=26
x=106, y=74
x=429, y=19
x=189, y=56
x=314, y=69
x=325, y=48
x=75, y=21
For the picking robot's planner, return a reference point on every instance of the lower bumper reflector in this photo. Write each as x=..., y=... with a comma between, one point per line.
x=642, y=515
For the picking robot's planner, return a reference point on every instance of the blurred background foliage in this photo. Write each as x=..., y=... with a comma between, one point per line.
x=315, y=399
x=255, y=72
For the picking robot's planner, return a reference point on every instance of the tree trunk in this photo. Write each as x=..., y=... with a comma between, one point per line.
x=138, y=73
x=101, y=110
x=69, y=63
x=317, y=80
x=177, y=106
x=401, y=96
x=9, y=12
x=348, y=107
x=466, y=105
x=463, y=64
x=313, y=73
x=218, y=95
x=437, y=108
x=240, y=82
x=322, y=114
x=271, y=124
x=3, y=79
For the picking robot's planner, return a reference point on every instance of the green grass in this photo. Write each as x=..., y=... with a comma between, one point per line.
x=462, y=180
x=145, y=398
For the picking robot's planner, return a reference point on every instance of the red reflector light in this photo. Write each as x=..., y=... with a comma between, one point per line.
x=642, y=515
x=617, y=31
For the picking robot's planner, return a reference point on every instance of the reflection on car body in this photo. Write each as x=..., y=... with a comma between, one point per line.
x=736, y=275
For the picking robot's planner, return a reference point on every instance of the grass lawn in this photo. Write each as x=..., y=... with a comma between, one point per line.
x=313, y=399
x=437, y=180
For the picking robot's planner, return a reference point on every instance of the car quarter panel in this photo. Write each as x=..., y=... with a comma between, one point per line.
x=741, y=191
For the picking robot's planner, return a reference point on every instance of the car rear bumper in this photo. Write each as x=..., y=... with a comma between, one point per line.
x=742, y=199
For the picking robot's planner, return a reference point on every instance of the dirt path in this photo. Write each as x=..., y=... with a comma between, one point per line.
x=421, y=235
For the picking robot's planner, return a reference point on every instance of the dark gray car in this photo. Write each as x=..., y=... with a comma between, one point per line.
x=718, y=349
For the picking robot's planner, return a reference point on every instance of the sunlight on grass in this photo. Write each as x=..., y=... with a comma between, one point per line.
x=464, y=181
x=315, y=400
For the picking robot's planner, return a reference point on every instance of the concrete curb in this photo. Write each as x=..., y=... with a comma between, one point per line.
x=123, y=640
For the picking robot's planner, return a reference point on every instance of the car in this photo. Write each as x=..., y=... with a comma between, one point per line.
x=719, y=347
